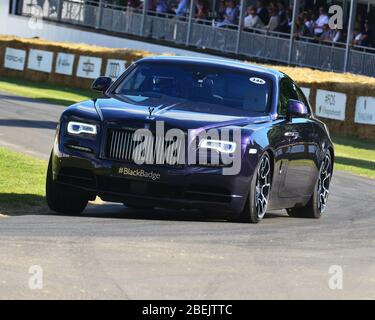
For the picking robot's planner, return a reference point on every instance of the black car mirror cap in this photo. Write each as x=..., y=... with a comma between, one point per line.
x=101, y=84
x=296, y=109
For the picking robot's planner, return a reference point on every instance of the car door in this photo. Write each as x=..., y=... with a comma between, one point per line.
x=301, y=148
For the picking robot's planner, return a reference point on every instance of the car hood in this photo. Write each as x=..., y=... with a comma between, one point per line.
x=184, y=115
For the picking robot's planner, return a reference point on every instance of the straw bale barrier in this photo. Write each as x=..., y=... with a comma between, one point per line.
x=353, y=86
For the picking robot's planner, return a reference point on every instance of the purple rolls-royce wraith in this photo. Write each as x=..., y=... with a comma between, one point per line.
x=193, y=133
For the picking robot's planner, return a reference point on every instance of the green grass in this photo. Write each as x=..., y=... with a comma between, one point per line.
x=355, y=155
x=51, y=93
x=22, y=180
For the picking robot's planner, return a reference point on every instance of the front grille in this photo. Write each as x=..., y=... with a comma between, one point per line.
x=122, y=145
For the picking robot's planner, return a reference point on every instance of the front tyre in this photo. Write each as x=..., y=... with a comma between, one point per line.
x=318, y=202
x=62, y=200
x=260, y=190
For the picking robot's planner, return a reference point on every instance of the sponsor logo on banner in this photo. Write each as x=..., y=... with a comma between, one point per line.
x=365, y=110
x=64, y=63
x=14, y=59
x=40, y=60
x=330, y=104
x=89, y=67
x=115, y=68
x=306, y=92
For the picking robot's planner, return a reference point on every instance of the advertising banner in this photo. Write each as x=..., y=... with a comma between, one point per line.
x=40, y=60
x=365, y=110
x=14, y=59
x=64, y=63
x=89, y=67
x=115, y=68
x=330, y=104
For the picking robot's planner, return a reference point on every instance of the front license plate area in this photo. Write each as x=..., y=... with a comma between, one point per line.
x=136, y=174
x=138, y=187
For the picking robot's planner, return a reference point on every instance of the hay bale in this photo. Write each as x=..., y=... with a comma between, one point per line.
x=56, y=47
x=350, y=84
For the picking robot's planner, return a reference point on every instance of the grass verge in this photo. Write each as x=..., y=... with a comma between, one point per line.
x=354, y=155
x=51, y=93
x=22, y=181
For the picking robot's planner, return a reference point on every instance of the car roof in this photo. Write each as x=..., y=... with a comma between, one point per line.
x=218, y=62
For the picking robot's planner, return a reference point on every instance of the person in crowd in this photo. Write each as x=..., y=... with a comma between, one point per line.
x=289, y=17
x=161, y=7
x=322, y=20
x=273, y=22
x=283, y=19
x=301, y=29
x=339, y=36
x=363, y=38
x=201, y=10
x=328, y=34
x=182, y=8
x=309, y=23
x=252, y=20
x=221, y=11
x=359, y=22
x=231, y=14
x=262, y=11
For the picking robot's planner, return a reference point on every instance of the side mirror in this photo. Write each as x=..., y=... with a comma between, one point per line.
x=296, y=109
x=101, y=84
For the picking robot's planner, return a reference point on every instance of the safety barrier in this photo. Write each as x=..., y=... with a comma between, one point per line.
x=254, y=43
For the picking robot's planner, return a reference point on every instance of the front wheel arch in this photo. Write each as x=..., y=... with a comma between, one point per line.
x=249, y=212
x=272, y=162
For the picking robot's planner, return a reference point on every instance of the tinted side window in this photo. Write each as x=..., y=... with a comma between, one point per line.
x=288, y=91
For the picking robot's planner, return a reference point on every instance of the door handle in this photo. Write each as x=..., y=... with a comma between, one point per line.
x=291, y=134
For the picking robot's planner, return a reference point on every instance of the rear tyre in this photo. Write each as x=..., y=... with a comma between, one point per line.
x=318, y=201
x=62, y=200
x=260, y=190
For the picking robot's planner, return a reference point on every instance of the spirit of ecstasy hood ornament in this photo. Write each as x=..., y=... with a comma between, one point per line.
x=150, y=111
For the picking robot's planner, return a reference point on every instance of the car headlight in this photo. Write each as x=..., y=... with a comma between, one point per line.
x=218, y=145
x=79, y=127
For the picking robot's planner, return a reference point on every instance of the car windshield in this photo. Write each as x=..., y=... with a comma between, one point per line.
x=240, y=91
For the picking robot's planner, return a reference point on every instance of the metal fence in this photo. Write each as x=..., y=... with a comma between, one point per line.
x=259, y=44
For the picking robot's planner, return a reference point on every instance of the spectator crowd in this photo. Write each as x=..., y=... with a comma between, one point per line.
x=312, y=23
x=263, y=15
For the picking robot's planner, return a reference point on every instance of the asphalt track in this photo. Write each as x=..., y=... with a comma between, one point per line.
x=113, y=252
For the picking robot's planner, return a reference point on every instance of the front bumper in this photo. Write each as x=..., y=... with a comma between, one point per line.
x=186, y=187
